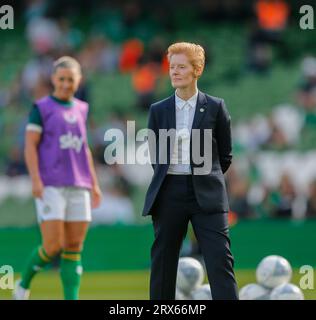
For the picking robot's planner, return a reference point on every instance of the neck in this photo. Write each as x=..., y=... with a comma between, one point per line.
x=62, y=101
x=186, y=93
x=61, y=98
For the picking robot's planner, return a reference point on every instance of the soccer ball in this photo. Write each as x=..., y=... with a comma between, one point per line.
x=181, y=295
x=202, y=293
x=287, y=291
x=254, y=291
x=190, y=274
x=273, y=271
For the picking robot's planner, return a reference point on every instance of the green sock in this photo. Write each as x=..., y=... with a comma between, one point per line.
x=71, y=271
x=37, y=261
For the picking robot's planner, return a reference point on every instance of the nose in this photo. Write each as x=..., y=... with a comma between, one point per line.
x=66, y=85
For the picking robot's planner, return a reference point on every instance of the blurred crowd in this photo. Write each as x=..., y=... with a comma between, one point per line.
x=275, y=178
x=267, y=179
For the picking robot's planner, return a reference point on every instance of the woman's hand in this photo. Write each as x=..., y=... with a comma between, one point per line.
x=96, y=196
x=37, y=188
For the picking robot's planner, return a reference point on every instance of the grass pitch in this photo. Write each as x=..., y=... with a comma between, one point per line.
x=132, y=285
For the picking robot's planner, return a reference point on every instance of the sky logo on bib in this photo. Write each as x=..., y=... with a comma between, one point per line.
x=70, y=141
x=70, y=117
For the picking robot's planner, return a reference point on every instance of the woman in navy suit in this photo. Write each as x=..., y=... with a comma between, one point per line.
x=183, y=189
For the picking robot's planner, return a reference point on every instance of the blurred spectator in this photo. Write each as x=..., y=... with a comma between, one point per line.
x=109, y=57
x=306, y=98
x=277, y=139
x=70, y=37
x=35, y=9
x=311, y=201
x=157, y=51
x=272, y=17
x=308, y=69
x=15, y=165
x=252, y=134
x=144, y=81
x=99, y=54
x=259, y=56
x=308, y=104
x=35, y=76
x=238, y=188
x=112, y=179
x=41, y=88
x=132, y=51
x=44, y=35
x=283, y=198
x=146, y=75
x=280, y=130
x=131, y=13
x=116, y=205
x=306, y=95
x=89, y=56
x=116, y=120
x=289, y=120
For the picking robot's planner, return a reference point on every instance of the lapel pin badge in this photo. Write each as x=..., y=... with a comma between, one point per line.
x=202, y=110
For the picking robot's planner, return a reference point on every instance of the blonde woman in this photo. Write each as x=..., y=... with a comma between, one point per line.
x=63, y=179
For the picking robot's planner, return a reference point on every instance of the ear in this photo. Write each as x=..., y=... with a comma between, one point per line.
x=197, y=72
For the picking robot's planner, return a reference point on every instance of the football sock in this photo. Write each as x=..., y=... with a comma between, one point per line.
x=71, y=271
x=38, y=260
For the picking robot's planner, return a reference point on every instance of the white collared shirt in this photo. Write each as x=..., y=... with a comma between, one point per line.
x=180, y=158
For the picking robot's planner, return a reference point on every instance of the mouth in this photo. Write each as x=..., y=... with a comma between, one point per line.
x=66, y=92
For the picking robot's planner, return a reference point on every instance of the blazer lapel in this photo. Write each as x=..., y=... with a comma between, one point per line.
x=200, y=110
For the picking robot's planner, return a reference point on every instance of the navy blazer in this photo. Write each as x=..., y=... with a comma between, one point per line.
x=210, y=113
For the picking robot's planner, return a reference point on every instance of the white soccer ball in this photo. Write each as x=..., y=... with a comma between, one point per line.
x=202, y=293
x=190, y=274
x=287, y=291
x=181, y=295
x=254, y=291
x=273, y=271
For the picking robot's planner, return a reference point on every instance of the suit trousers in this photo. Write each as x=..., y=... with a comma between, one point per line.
x=175, y=206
